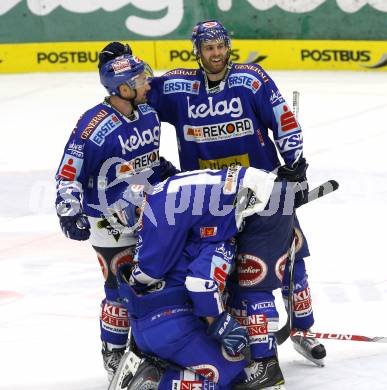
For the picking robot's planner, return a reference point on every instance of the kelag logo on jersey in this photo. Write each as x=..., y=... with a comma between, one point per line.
x=181, y=85
x=287, y=123
x=138, y=139
x=107, y=126
x=294, y=141
x=244, y=80
x=218, y=131
x=222, y=107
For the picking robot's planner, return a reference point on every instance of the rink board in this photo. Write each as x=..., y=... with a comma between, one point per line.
x=169, y=54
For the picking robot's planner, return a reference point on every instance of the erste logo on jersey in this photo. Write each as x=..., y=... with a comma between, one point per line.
x=138, y=139
x=70, y=167
x=286, y=120
x=244, y=80
x=146, y=109
x=139, y=163
x=218, y=131
x=222, y=107
x=181, y=85
x=107, y=126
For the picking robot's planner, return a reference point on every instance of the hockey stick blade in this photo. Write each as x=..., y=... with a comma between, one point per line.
x=322, y=190
x=338, y=336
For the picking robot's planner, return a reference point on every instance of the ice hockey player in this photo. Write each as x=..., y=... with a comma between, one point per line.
x=110, y=142
x=222, y=113
x=184, y=255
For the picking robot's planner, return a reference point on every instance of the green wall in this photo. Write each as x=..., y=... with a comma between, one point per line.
x=85, y=21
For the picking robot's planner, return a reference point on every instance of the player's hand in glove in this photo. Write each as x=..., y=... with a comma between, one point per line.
x=230, y=333
x=297, y=174
x=73, y=222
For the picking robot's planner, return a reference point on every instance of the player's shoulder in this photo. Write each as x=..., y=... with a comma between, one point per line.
x=181, y=73
x=250, y=70
x=93, y=119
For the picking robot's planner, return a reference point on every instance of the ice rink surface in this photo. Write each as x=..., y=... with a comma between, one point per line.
x=51, y=287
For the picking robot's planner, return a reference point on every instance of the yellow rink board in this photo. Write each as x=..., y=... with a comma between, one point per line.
x=164, y=55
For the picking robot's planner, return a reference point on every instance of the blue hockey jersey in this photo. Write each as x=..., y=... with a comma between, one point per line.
x=227, y=125
x=106, y=148
x=185, y=235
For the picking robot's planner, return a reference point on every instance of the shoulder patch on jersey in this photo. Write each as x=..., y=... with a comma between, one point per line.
x=254, y=68
x=287, y=123
x=94, y=122
x=181, y=85
x=181, y=72
x=246, y=80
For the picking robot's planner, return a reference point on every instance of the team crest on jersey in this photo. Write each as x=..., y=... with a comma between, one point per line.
x=286, y=120
x=218, y=131
x=107, y=126
x=181, y=85
x=244, y=80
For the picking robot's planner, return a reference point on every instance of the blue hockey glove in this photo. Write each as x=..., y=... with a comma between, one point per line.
x=111, y=51
x=296, y=174
x=229, y=333
x=73, y=222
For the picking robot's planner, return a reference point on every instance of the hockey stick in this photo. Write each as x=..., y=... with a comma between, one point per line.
x=323, y=189
x=338, y=336
x=282, y=334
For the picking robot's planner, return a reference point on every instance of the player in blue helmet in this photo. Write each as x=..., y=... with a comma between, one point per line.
x=126, y=77
x=212, y=46
x=111, y=142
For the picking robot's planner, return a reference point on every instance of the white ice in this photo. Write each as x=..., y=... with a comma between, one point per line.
x=50, y=287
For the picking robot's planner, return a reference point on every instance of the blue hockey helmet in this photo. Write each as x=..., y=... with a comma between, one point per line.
x=123, y=70
x=209, y=30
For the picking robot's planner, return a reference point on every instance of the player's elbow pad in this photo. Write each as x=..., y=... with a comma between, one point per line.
x=205, y=296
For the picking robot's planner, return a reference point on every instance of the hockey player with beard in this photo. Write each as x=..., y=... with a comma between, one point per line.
x=183, y=256
x=110, y=142
x=222, y=113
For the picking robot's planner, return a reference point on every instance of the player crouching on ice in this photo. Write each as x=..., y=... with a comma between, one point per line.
x=174, y=293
